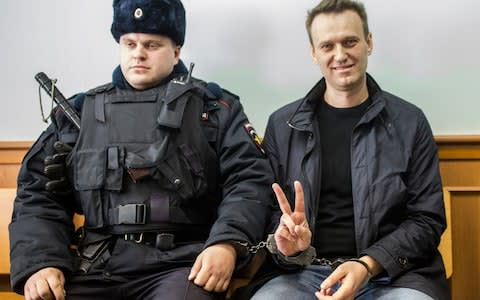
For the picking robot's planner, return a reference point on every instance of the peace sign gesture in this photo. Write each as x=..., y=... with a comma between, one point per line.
x=293, y=234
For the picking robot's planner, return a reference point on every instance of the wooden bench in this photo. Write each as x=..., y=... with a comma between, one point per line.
x=7, y=195
x=445, y=246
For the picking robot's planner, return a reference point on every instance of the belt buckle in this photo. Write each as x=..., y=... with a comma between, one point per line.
x=128, y=237
x=132, y=213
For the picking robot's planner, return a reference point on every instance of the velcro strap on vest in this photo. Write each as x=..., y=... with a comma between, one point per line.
x=128, y=214
x=192, y=158
x=100, y=107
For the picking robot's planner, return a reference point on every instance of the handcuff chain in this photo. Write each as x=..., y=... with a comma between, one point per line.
x=253, y=249
x=326, y=262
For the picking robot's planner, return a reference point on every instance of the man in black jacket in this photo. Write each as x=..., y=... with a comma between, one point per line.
x=166, y=170
x=362, y=213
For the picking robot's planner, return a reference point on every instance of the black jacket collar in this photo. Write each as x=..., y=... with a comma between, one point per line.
x=119, y=80
x=302, y=118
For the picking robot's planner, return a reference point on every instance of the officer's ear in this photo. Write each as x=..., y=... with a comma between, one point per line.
x=177, y=49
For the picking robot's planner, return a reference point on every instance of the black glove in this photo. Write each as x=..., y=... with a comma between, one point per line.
x=56, y=170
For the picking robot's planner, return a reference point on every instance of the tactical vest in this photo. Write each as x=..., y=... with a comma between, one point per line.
x=142, y=162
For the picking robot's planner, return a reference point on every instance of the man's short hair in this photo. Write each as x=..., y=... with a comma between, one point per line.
x=337, y=6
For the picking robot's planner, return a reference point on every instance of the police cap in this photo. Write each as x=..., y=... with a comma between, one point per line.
x=164, y=17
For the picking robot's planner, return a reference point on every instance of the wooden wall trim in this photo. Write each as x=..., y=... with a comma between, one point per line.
x=457, y=139
x=12, y=152
x=458, y=147
x=466, y=189
x=15, y=144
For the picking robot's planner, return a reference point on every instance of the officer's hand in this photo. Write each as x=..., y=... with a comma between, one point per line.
x=293, y=234
x=46, y=284
x=213, y=268
x=56, y=170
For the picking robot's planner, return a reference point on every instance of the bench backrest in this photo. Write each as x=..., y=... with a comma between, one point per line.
x=7, y=195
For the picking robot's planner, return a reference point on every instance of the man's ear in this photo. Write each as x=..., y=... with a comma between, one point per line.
x=312, y=54
x=176, y=52
x=370, y=43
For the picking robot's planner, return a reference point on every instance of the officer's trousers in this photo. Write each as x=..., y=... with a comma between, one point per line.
x=170, y=284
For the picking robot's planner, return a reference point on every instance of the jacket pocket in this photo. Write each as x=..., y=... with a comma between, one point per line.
x=389, y=215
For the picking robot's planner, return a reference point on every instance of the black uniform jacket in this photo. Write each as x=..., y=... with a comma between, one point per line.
x=41, y=230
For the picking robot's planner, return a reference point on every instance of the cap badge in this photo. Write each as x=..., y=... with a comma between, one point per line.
x=138, y=13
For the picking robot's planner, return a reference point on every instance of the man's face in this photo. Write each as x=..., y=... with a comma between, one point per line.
x=341, y=49
x=147, y=59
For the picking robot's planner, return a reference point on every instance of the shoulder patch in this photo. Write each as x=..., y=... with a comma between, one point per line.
x=254, y=136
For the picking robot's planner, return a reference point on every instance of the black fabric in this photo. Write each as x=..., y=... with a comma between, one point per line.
x=119, y=80
x=171, y=284
x=178, y=237
x=396, y=184
x=335, y=229
x=241, y=197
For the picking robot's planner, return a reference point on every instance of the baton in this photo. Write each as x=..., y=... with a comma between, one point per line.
x=49, y=86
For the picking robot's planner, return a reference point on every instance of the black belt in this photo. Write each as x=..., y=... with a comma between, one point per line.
x=162, y=240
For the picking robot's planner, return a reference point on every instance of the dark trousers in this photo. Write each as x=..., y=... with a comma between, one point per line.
x=171, y=284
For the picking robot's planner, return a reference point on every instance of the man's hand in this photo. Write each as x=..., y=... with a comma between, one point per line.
x=351, y=276
x=213, y=268
x=293, y=234
x=56, y=170
x=46, y=284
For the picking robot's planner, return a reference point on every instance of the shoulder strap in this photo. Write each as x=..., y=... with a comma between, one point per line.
x=100, y=89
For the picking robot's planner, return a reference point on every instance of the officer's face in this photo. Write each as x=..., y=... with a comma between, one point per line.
x=341, y=49
x=146, y=59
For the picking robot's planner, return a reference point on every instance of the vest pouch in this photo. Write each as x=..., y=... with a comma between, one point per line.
x=133, y=118
x=182, y=172
x=171, y=113
x=194, y=164
x=89, y=177
x=89, y=168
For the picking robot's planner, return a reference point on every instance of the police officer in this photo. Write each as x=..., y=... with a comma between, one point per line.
x=165, y=170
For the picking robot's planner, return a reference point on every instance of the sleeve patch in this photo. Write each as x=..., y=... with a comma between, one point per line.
x=254, y=136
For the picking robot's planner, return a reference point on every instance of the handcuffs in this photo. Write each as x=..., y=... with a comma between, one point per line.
x=306, y=257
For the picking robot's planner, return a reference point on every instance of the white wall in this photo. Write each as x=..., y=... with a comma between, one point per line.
x=424, y=51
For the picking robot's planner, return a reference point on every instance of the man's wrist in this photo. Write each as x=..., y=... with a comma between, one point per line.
x=234, y=247
x=363, y=263
x=373, y=265
x=304, y=258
